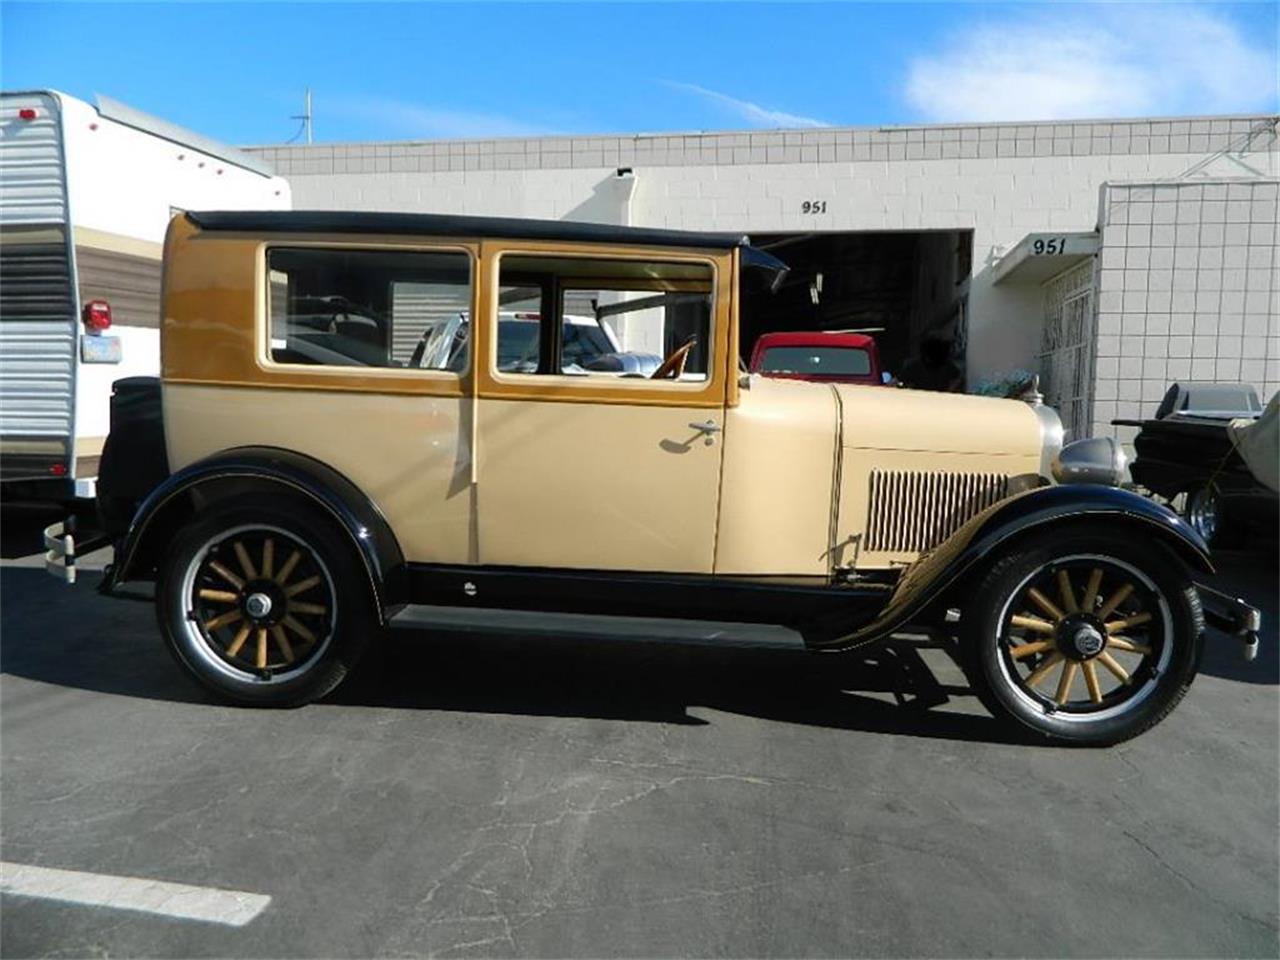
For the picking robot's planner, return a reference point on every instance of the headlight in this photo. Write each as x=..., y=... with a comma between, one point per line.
x=1095, y=460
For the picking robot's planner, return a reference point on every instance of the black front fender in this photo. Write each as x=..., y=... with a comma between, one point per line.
x=263, y=469
x=1038, y=512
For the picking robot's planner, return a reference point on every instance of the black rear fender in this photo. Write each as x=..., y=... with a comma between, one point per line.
x=1036, y=514
x=246, y=472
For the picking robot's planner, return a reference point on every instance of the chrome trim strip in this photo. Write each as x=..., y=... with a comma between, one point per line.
x=1051, y=438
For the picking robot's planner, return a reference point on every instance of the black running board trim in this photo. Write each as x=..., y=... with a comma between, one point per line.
x=584, y=626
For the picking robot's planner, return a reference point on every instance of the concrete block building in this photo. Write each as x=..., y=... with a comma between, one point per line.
x=1111, y=257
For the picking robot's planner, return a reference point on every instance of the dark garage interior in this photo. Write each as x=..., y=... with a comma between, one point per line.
x=898, y=286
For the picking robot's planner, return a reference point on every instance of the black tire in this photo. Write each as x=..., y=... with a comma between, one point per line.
x=298, y=670
x=998, y=651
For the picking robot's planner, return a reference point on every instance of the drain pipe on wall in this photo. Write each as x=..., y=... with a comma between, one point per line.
x=625, y=181
x=624, y=189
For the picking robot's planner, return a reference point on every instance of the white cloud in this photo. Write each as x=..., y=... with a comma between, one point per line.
x=403, y=119
x=752, y=113
x=1096, y=61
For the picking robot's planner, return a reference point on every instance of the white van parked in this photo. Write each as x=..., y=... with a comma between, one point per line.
x=86, y=193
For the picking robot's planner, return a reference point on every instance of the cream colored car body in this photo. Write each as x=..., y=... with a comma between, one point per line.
x=786, y=491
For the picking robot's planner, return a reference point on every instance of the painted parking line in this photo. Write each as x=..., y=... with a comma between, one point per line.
x=232, y=908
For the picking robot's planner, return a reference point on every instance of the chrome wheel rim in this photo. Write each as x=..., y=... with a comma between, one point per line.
x=1085, y=638
x=1202, y=512
x=260, y=604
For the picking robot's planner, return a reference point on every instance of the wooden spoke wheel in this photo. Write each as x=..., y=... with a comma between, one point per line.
x=1088, y=636
x=265, y=601
x=262, y=601
x=1085, y=636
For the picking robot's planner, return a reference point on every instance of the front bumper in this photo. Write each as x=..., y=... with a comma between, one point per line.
x=1232, y=615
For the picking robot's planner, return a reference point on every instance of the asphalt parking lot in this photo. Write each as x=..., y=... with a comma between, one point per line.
x=497, y=798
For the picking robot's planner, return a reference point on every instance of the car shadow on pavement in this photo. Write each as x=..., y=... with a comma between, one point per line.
x=75, y=639
x=22, y=528
x=891, y=690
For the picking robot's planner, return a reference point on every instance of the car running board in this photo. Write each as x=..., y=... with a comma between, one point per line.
x=582, y=626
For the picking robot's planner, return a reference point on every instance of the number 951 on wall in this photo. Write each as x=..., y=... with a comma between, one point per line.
x=1048, y=246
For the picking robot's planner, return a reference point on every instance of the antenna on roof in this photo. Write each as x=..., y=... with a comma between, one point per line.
x=305, y=117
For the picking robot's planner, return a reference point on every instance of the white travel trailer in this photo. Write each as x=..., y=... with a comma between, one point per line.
x=86, y=193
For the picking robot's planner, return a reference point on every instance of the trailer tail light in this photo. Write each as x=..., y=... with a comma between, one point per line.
x=26, y=113
x=96, y=316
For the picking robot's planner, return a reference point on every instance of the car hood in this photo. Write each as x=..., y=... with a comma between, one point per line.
x=876, y=418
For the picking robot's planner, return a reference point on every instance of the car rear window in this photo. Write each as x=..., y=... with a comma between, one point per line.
x=828, y=361
x=368, y=308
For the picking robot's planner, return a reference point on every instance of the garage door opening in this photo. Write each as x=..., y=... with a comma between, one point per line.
x=900, y=287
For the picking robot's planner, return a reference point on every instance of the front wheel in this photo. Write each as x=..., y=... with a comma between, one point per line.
x=264, y=603
x=1089, y=638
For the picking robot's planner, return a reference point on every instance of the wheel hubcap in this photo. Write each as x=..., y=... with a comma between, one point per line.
x=258, y=605
x=1085, y=636
x=1080, y=636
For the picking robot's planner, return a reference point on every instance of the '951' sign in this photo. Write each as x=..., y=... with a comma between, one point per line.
x=813, y=206
x=1049, y=246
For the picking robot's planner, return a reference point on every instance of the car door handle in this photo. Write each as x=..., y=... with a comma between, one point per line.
x=707, y=426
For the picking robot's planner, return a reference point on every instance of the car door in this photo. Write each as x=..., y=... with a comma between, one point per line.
x=603, y=470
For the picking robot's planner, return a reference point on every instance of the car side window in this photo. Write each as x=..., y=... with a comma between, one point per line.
x=369, y=308
x=598, y=317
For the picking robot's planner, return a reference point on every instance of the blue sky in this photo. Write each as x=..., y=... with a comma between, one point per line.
x=416, y=71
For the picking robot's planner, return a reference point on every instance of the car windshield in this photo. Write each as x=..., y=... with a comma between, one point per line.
x=827, y=360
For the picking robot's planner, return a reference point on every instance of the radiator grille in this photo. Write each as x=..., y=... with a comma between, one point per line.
x=912, y=511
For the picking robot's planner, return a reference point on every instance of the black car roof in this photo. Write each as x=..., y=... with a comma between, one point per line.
x=444, y=225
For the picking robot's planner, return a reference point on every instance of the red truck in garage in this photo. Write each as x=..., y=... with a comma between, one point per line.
x=818, y=355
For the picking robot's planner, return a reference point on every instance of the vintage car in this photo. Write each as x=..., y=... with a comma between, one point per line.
x=819, y=355
x=289, y=511
x=1193, y=453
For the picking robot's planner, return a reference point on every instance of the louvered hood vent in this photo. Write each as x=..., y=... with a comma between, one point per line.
x=912, y=511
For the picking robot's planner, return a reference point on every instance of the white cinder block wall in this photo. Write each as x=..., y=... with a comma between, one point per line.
x=1188, y=291
x=1000, y=180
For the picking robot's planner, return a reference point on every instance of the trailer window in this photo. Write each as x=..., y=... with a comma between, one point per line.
x=368, y=308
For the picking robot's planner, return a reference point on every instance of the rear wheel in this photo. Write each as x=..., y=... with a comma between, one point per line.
x=264, y=603
x=1092, y=638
